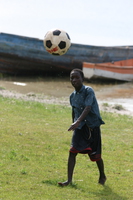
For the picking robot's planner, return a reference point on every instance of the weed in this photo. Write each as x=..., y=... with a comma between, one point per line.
x=118, y=107
x=105, y=104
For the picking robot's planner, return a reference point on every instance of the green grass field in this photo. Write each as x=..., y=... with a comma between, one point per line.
x=34, y=145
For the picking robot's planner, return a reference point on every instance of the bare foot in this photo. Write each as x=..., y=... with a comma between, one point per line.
x=102, y=180
x=66, y=183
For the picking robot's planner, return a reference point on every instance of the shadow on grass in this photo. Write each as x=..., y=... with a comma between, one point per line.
x=55, y=182
x=50, y=182
x=108, y=193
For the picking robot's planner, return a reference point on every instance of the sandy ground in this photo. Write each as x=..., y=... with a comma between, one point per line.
x=112, y=97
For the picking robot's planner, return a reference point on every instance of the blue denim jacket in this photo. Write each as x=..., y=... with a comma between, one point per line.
x=79, y=100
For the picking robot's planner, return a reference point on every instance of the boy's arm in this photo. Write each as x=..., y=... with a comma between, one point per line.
x=81, y=118
x=73, y=116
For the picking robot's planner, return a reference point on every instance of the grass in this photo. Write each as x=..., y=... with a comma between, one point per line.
x=34, y=148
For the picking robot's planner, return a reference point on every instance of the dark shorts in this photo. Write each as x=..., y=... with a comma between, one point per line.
x=87, y=141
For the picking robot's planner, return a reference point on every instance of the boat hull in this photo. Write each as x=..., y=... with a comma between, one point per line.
x=20, y=55
x=120, y=70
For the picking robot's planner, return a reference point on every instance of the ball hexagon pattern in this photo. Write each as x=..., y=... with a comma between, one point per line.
x=57, y=42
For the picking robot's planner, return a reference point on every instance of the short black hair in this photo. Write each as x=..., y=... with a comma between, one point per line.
x=80, y=71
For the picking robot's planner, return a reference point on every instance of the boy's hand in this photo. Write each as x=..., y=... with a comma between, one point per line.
x=74, y=126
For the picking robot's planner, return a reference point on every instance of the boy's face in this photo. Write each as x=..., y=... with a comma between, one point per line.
x=76, y=80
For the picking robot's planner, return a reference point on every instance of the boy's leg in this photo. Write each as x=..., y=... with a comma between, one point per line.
x=102, y=177
x=70, y=169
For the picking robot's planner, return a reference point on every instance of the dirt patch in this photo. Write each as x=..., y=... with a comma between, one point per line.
x=124, y=90
x=57, y=91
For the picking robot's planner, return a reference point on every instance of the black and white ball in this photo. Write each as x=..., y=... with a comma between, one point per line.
x=57, y=42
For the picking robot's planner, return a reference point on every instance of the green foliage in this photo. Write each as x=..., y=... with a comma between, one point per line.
x=105, y=104
x=118, y=107
x=34, y=151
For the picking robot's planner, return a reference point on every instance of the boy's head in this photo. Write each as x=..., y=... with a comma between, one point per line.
x=79, y=71
x=76, y=78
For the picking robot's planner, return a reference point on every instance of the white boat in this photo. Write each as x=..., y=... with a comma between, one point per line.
x=120, y=70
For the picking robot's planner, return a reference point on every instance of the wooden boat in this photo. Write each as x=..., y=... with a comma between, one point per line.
x=120, y=70
x=25, y=55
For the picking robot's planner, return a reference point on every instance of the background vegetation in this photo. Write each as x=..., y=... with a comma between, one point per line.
x=34, y=145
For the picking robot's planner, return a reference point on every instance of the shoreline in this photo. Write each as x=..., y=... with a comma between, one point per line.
x=114, y=97
x=118, y=106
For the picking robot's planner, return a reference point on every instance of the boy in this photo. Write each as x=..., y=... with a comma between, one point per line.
x=86, y=126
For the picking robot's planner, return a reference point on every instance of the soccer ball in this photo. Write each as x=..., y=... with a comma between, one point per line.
x=57, y=42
